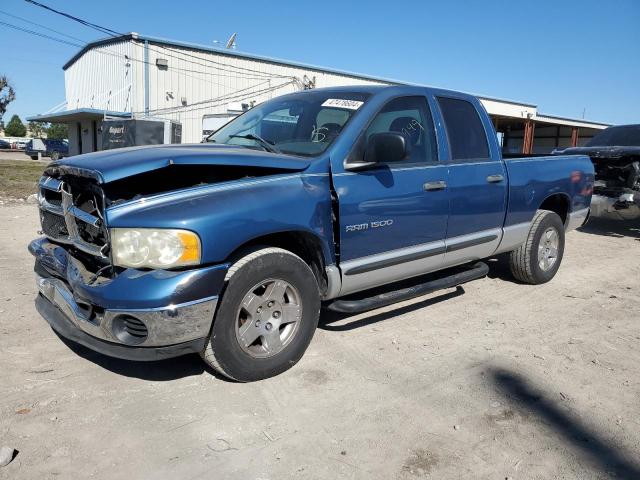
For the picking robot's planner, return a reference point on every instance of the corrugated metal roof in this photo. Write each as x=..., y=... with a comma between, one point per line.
x=277, y=61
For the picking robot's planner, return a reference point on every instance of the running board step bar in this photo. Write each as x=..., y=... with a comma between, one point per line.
x=475, y=271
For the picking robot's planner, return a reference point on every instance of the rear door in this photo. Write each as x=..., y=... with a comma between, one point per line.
x=477, y=182
x=393, y=217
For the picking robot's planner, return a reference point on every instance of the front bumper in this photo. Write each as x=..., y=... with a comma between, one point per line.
x=69, y=330
x=139, y=315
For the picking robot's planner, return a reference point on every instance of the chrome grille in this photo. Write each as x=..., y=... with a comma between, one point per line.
x=63, y=221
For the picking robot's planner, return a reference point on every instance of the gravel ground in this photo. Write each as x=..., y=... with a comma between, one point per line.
x=495, y=381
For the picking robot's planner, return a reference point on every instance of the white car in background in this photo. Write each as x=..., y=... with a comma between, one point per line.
x=19, y=144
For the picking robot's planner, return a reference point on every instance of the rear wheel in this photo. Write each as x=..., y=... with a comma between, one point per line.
x=537, y=260
x=266, y=318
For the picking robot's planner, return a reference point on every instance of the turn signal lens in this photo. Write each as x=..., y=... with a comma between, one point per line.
x=191, y=245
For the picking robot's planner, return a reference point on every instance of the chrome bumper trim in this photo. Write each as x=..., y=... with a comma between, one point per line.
x=166, y=325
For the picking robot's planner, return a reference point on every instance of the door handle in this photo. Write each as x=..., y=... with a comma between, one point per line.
x=432, y=186
x=495, y=178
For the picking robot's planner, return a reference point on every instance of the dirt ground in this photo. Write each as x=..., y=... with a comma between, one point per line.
x=498, y=380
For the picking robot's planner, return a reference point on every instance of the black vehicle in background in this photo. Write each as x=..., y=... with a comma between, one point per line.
x=615, y=153
x=55, y=149
x=4, y=144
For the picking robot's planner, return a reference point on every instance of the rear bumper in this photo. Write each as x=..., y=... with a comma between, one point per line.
x=140, y=315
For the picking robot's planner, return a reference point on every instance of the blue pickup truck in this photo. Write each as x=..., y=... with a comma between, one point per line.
x=330, y=197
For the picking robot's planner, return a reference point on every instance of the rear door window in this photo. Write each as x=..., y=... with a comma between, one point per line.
x=467, y=137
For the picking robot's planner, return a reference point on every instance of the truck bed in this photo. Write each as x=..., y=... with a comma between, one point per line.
x=533, y=178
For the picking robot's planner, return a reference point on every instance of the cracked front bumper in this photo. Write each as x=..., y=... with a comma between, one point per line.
x=140, y=315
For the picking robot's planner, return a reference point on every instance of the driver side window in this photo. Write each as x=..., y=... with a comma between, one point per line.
x=410, y=117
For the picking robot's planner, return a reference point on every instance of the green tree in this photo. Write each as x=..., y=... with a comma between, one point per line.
x=15, y=127
x=7, y=95
x=37, y=129
x=58, y=131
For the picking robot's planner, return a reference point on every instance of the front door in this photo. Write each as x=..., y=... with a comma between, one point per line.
x=393, y=217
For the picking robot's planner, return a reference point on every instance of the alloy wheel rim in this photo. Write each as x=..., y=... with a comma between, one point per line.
x=268, y=318
x=548, y=249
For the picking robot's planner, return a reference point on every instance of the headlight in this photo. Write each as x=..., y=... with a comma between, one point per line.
x=154, y=248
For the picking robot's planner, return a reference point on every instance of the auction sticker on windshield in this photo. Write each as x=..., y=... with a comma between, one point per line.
x=342, y=103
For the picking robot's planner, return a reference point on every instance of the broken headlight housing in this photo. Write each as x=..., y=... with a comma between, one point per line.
x=154, y=248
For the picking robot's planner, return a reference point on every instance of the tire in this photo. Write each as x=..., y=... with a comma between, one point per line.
x=54, y=156
x=252, y=297
x=532, y=262
x=34, y=157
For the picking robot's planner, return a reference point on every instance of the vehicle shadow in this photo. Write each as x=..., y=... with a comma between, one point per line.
x=154, y=371
x=499, y=268
x=328, y=317
x=192, y=364
x=612, y=228
x=610, y=458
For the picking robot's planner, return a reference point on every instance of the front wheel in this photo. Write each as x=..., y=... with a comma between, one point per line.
x=55, y=156
x=266, y=318
x=537, y=260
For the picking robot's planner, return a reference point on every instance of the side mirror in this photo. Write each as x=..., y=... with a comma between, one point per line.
x=385, y=147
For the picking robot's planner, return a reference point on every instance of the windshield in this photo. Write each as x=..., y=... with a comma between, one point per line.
x=300, y=124
x=622, y=136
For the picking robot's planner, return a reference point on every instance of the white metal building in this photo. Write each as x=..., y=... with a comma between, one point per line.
x=201, y=87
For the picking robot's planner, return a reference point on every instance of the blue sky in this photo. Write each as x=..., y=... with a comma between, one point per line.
x=565, y=56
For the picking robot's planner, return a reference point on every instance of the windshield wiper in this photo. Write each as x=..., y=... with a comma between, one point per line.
x=269, y=147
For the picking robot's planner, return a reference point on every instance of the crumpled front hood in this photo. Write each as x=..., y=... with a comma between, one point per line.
x=110, y=165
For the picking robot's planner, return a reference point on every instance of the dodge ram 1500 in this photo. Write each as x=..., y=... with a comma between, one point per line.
x=328, y=197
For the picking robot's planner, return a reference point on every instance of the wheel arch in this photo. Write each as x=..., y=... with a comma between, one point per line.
x=306, y=245
x=558, y=203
